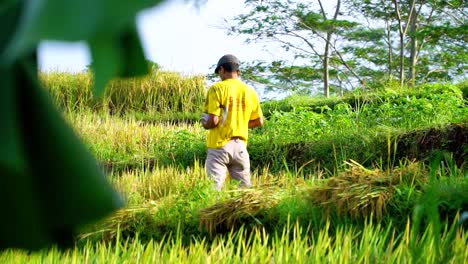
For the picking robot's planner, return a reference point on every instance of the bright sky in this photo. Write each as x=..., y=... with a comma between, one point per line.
x=177, y=35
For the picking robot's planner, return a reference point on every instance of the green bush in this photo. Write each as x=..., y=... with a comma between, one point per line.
x=463, y=86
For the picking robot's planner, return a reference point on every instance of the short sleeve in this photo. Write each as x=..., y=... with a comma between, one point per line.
x=256, y=110
x=212, y=103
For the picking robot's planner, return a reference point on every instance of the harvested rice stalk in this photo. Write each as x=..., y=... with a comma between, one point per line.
x=358, y=192
x=121, y=220
x=234, y=212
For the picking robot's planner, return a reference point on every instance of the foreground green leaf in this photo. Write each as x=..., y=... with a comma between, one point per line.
x=50, y=185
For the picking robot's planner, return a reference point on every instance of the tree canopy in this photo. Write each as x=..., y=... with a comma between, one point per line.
x=344, y=44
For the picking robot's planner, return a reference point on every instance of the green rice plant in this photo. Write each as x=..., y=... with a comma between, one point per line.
x=171, y=208
x=371, y=244
x=125, y=142
x=322, y=141
x=282, y=126
x=427, y=215
x=156, y=183
x=426, y=104
x=183, y=146
x=112, y=139
x=168, y=118
x=366, y=136
x=414, y=176
x=413, y=108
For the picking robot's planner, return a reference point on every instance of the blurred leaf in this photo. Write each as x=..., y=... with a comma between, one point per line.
x=72, y=20
x=108, y=27
x=10, y=154
x=50, y=185
x=107, y=62
x=133, y=54
x=122, y=56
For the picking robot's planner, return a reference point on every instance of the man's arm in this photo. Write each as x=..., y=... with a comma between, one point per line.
x=209, y=121
x=256, y=122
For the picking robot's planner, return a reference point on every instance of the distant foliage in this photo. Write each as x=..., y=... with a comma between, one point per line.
x=360, y=126
x=343, y=45
x=302, y=132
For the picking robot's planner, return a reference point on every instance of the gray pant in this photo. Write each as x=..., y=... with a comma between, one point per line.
x=232, y=157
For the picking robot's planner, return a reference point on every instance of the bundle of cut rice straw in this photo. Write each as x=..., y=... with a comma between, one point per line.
x=234, y=212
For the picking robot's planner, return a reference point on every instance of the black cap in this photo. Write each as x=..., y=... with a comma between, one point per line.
x=228, y=59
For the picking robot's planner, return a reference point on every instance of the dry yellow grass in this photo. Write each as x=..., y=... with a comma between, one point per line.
x=159, y=91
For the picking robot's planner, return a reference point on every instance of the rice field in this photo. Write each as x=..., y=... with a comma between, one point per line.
x=394, y=211
x=372, y=244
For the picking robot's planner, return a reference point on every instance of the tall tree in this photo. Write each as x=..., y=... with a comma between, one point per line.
x=425, y=36
x=326, y=54
x=304, y=30
x=355, y=42
x=402, y=31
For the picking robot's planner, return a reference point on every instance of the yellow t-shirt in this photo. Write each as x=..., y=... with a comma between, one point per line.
x=236, y=104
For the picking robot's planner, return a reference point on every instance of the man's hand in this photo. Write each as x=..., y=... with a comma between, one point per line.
x=256, y=122
x=209, y=121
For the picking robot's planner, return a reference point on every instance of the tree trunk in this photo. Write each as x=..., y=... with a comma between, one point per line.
x=326, y=53
x=326, y=70
x=402, y=60
x=388, y=28
x=402, y=42
x=412, y=15
x=413, y=47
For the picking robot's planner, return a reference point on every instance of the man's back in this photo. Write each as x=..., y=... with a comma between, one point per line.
x=236, y=104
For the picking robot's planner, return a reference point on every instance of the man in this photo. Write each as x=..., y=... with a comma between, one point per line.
x=231, y=108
